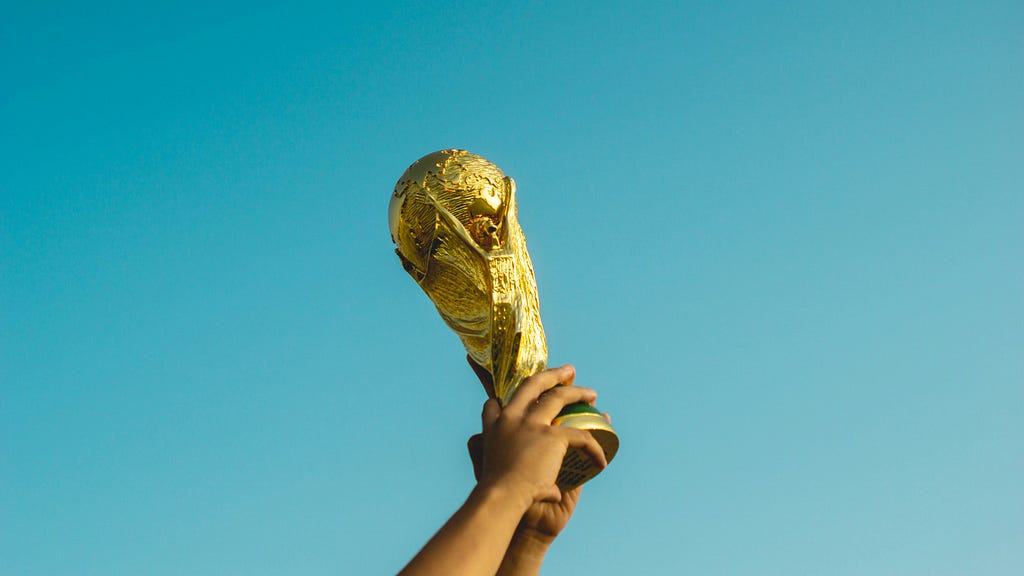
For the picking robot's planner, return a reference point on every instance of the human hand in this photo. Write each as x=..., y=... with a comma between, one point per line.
x=521, y=450
x=544, y=520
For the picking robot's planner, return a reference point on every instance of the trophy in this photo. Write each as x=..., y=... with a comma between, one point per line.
x=454, y=222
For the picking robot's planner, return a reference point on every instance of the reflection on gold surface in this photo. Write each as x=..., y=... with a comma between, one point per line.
x=454, y=221
x=453, y=218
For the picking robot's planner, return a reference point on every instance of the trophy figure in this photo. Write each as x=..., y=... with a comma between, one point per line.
x=454, y=222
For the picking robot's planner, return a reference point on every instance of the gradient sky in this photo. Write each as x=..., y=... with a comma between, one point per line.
x=785, y=243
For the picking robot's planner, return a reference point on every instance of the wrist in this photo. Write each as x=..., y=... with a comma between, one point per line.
x=531, y=542
x=525, y=554
x=504, y=494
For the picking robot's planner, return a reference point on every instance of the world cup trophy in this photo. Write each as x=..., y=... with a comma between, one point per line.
x=454, y=222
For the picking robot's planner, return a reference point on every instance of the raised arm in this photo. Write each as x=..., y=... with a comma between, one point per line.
x=522, y=453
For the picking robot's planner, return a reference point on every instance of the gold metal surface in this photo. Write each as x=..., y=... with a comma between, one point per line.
x=453, y=218
x=454, y=221
x=577, y=467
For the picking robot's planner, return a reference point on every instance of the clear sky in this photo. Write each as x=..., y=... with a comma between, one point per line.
x=785, y=243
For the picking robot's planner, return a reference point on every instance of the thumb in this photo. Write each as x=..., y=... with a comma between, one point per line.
x=490, y=415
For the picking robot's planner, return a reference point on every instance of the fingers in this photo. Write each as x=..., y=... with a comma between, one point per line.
x=490, y=414
x=552, y=401
x=519, y=444
x=531, y=388
x=585, y=441
x=491, y=410
x=550, y=494
x=568, y=381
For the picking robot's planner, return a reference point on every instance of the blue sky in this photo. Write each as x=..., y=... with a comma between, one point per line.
x=783, y=242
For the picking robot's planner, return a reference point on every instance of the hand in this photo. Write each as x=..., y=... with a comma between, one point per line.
x=521, y=454
x=544, y=520
x=522, y=451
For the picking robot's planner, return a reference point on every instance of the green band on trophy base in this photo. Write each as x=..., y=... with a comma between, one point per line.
x=579, y=408
x=454, y=220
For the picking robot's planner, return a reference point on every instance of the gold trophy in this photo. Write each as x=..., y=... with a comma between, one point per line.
x=454, y=220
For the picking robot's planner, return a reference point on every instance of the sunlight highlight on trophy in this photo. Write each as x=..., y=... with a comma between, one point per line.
x=454, y=222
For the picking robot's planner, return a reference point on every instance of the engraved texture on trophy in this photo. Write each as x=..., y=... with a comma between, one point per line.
x=453, y=218
x=454, y=222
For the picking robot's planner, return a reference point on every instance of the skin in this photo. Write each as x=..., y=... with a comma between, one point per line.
x=537, y=529
x=515, y=510
x=543, y=521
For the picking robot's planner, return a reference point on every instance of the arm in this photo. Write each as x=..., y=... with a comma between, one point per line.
x=474, y=540
x=538, y=528
x=523, y=452
x=541, y=523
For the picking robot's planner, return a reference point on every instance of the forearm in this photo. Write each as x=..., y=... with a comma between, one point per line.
x=525, y=554
x=475, y=539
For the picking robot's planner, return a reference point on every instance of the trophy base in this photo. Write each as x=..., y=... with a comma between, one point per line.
x=577, y=467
